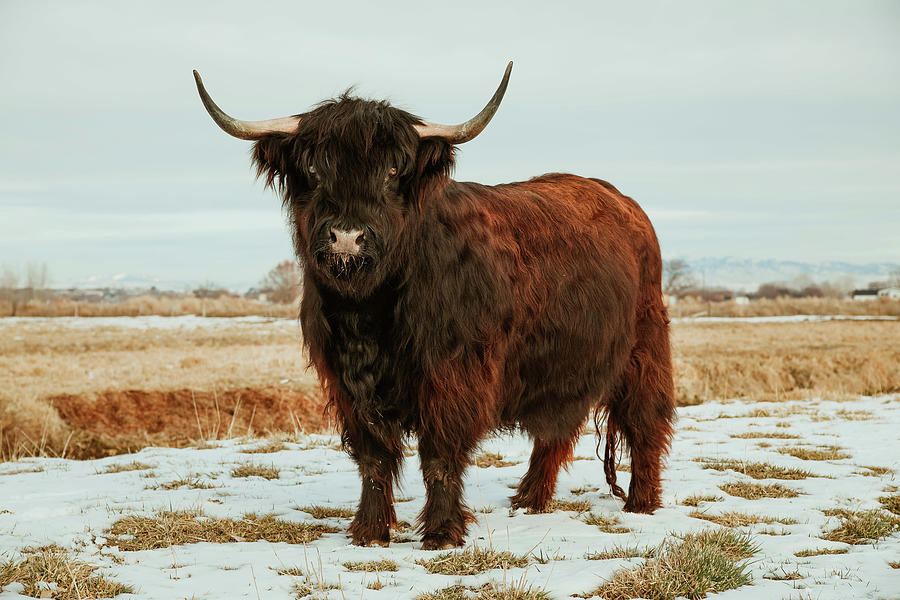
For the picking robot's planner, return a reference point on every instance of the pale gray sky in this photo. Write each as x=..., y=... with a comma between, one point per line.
x=754, y=130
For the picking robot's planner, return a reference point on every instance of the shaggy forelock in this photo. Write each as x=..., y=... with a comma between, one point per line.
x=355, y=126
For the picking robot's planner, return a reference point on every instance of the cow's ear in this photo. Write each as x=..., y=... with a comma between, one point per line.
x=276, y=159
x=434, y=163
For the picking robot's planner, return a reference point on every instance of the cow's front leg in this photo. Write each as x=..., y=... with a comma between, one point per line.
x=379, y=463
x=444, y=519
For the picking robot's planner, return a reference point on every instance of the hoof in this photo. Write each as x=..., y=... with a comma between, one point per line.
x=646, y=509
x=531, y=507
x=439, y=543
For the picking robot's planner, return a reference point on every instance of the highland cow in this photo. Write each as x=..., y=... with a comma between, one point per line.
x=447, y=310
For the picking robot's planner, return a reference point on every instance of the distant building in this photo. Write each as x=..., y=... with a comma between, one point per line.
x=865, y=295
x=892, y=292
x=741, y=300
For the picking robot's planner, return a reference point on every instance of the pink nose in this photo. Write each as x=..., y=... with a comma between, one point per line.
x=346, y=242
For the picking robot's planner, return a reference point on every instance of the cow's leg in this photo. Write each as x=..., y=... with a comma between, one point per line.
x=444, y=519
x=643, y=411
x=538, y=485
x=379, y=463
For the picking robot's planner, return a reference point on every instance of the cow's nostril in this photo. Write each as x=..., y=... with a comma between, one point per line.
x=333, y=236
x=360, y=238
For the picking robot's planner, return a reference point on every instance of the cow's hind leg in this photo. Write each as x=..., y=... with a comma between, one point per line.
x=538, y=485
x=642, y=410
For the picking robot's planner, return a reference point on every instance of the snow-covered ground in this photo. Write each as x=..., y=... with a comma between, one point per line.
x=71, y=503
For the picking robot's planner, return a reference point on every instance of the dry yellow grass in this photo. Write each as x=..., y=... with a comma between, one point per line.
x=166, y=306
x=739, y=519
x=168, y=528
x=52, y=566
x=781, y=307
x=773, y=361
x=51, y=376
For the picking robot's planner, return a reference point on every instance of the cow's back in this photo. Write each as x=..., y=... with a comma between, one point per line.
x=544, y=276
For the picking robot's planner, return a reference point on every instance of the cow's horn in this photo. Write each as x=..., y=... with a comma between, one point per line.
x=457, y=134
x=245, y=130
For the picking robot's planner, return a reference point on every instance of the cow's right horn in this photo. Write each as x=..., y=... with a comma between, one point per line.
x=245, y=130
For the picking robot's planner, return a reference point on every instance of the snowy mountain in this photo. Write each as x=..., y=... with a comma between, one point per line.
x=748, y=274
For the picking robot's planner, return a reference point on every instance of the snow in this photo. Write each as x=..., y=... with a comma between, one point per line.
x=70, y=503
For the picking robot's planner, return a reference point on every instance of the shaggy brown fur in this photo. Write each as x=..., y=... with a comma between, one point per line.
x=470, y=308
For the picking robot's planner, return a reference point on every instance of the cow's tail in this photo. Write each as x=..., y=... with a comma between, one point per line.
x=602, y=416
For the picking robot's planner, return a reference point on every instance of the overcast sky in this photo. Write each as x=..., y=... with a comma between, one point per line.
x=746, y=129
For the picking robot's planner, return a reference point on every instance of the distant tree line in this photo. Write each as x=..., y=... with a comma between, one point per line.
x=680, y=281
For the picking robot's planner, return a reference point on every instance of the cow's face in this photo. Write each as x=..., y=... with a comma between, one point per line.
x=352, y=177
x=353, y=173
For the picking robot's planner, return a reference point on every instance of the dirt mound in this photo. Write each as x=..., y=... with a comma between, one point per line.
x=117, y=421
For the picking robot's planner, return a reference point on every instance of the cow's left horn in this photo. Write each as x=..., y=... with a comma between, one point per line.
x=245, y=130
x=457, y=134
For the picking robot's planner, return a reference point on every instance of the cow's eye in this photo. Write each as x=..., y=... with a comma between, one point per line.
x=311, y=169
x=392, y=172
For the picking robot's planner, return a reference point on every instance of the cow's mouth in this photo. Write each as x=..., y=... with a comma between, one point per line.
x=344, y=266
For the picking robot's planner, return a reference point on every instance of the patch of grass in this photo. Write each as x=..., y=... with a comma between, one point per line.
x=455, y=592
x=891, y=503
x=169, y=528
x=326, y=512
x=756, y=470
x=623, y=552
x=517, y=590
x=190, y=481
x=699, y=564
x=267, y=448
x=578, y=506
x=854, y=415
x=486, y=509
x=752, y=435
x=894, y=564
x=472, y=561
x=783, y=574
x=292, y=571
x=251, y=470
x=584, y=490
x=696, y=499
x=875, y=471
x=371, y=566
x=73, y=579
x=316, y=589
x=862, y=527
x=820, y=552
x=755, y=491
x=35, y=469
x=491, y=459
x=124, y=467
x=605, y=524
x=820, y=453
x=738, y=519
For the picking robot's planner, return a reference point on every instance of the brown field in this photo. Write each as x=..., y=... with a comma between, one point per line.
x=228, y=306
x=91, y=392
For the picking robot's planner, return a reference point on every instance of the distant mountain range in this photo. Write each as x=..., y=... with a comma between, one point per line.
x=748, y=274
x=727, y=272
